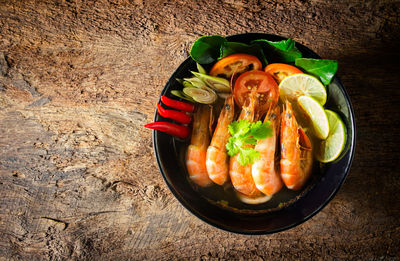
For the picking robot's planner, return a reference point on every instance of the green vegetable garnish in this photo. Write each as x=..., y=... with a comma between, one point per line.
x=282, y=51
x=205, y=95
x=244, y=132
x=200, y=68
x=322, y=68
x=180, y=94
x=206, y=49
x=216, y=83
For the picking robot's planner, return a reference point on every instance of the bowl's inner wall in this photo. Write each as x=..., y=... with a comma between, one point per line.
x=170, y=157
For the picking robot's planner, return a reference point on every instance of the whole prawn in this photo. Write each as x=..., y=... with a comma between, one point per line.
x=217, y=162
x=296, y=151
x=197, y=150
x=241, y=176
x=265, y=172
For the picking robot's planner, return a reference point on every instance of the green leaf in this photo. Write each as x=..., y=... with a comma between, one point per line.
x=248, y=156
x=261, y=130
x=282, y=51
x=206, y=49
x=229, y=48
x=231, y=147
x=238, y=128
x=250, y=140
x=244, y=133
x=322, y=68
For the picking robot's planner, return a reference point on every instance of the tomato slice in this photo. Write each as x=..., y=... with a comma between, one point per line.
x=235, y=63
x=262, y=83
x=280, y=70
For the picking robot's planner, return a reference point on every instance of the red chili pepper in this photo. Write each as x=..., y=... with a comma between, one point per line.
x=174, y=115
x=183, y=106
x=170, y=128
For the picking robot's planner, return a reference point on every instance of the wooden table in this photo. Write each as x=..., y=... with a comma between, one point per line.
x=78, y=80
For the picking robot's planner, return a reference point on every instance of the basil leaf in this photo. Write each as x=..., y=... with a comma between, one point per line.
x=206, y=49
x=282, y=51
x=229, y=48
x=322, y=68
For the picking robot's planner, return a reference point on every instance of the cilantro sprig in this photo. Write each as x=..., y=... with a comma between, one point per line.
x=244, y=132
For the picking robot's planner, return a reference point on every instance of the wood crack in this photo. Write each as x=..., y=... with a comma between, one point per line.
x=66, y=224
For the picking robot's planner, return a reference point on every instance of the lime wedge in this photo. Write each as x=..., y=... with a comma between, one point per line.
x=328, y=150
x=300, y=84
x=315, y=112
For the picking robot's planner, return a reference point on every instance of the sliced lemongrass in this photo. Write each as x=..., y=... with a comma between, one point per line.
x=187, y=84
x=200, y=69
x=180, y=94
x=206, y=96
x=195, y=82
x=217, y=83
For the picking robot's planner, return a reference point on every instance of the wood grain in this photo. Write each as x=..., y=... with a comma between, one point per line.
x=79, y=79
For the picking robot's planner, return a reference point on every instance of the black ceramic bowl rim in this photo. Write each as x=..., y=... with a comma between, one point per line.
x=304, y=210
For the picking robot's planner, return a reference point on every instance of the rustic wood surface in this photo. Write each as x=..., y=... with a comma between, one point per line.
x=79, y=79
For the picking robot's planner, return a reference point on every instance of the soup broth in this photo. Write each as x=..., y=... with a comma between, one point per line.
x=225, y=196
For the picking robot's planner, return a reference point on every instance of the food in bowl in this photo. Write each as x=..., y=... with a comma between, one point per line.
x=268, y=136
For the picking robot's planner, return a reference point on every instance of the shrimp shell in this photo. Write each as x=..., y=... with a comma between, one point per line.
x=241, y=176
x=265, y=172
x=197, y=150
x=296, y=151
x=217, y=162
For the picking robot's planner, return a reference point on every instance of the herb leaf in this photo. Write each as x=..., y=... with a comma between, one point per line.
x=282, y=51
x=233, y=147
x=229, y=48
x=322, y=68
x=261, y=130
x=244, y=133
x=206, y=49
x=239, y=128
x=248, y=156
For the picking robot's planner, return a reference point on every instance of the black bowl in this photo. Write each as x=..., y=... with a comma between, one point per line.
x=270, y=217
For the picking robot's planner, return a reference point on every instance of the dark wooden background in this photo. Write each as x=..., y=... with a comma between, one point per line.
x=79, y=79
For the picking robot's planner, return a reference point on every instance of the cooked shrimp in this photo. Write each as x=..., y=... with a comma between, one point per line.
x=241, y=177
x=296, y=151
x=265, y=172
x=217, y=157
x=197, y=150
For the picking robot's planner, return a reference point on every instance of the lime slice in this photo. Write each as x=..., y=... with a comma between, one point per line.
x=301, y=84
x=316, y=114
x=330, y=149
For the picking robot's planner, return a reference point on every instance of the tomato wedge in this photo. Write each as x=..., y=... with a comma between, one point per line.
x=262, y=83
x=235, y=63
x=280, y=70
